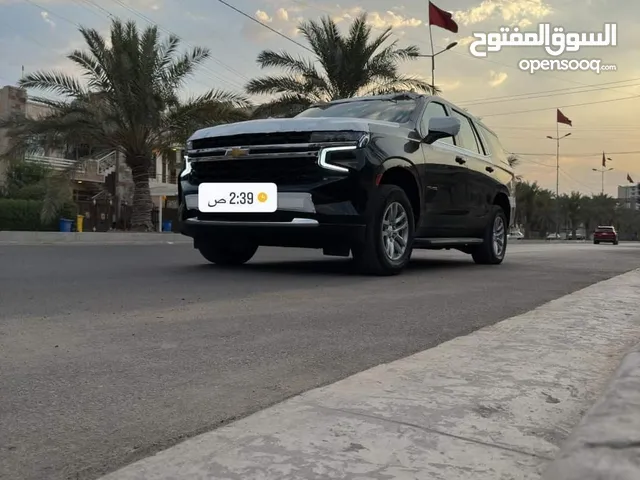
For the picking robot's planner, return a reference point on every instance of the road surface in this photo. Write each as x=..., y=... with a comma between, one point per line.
x=111, y=353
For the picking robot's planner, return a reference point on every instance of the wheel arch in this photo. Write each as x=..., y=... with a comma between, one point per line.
x=501, y=199
x=402, y=173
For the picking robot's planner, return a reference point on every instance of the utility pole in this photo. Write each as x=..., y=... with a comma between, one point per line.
x=557, y=138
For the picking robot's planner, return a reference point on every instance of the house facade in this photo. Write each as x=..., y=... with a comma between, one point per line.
x=94, y=175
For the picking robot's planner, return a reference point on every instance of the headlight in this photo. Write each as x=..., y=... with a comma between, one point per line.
x=187, y=167
x=340, y=159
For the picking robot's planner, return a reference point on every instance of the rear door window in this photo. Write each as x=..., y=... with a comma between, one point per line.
x=467, y=137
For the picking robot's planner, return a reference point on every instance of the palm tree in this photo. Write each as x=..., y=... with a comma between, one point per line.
x=348, y=66
x=573, y=205
x=129, y=100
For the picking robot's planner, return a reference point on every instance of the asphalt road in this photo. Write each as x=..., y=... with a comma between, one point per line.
x=111, y=353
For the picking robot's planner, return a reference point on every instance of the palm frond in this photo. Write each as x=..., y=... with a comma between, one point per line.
x=55, y=82
x=279, y=84
x=286, y=105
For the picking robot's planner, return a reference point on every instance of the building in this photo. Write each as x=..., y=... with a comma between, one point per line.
x=94, y=174
x=629, y=196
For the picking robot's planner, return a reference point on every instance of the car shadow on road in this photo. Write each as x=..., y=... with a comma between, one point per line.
x=334, y=267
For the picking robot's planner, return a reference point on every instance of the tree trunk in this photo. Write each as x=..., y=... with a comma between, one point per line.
x=142, y=203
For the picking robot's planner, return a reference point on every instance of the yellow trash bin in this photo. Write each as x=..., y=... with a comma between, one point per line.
x=79, y=222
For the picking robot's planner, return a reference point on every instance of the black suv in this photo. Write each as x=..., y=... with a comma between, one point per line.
x=374, y=177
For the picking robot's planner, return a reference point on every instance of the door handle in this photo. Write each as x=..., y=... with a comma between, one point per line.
x=489, y=169
x=461, y=160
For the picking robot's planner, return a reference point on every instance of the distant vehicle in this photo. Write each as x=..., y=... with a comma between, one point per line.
x=374, y=177
x=605, y=234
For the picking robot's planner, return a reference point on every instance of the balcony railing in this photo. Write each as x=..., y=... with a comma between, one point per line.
x=57, y=163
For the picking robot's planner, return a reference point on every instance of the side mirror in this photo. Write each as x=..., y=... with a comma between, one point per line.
x=442, y=127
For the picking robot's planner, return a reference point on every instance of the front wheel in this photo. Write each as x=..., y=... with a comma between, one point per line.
x=228, y=253
x=494, y=246
x=388, y=242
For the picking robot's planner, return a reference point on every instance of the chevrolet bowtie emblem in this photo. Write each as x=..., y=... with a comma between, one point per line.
x=237, y=152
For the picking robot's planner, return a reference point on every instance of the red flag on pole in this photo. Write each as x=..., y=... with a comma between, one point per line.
x=629, y=179
x=604, y=160
x=562, y=119
x=442, y=19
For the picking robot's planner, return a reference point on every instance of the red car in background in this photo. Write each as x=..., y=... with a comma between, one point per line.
x=605, y=234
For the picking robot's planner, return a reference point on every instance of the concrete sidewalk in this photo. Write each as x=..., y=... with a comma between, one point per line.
x=606, y=444
x=89, y=238
x=492, y=405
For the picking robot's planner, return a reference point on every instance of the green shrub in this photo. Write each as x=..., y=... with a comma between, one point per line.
x=69, y=210
x=23, y=215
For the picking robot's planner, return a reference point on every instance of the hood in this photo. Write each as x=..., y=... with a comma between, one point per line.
x=274, y=125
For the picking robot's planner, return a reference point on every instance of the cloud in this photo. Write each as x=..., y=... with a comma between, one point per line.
x=45, y=17
x=512, y=12
x=449, y=86
x=497, y=78
x=281, y=21
x=391, y=19
x=464, y=41
x=286, y=20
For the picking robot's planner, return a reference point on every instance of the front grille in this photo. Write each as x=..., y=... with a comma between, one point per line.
x=281, y=171
x=245, y=140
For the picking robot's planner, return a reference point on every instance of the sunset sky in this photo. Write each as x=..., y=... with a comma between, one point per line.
x=520, y=106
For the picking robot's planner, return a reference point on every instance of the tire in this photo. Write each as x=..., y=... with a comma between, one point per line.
x=228, y=254
x=487, y=253
x=372, y=256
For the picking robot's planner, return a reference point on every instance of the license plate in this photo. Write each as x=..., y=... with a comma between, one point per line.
x=238, y=197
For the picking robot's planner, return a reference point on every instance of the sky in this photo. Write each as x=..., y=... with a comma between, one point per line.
x=517, y=105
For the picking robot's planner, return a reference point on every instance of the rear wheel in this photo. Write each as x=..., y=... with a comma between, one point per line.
x=494, y=246
x=228, y=253
x=387, y=246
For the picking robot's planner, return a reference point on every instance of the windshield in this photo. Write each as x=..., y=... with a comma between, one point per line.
x=398, y=111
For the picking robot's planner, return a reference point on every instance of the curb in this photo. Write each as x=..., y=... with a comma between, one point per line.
x=606, y=443
x=89, y=238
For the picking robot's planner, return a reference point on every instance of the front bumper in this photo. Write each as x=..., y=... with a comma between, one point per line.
x=298, y=222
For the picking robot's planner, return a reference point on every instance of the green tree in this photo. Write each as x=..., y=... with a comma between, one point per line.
x=129, y=99
x=347, y=65
x=572, y=207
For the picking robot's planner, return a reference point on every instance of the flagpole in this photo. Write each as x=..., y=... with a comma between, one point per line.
x=557, y=178
x=433, y=59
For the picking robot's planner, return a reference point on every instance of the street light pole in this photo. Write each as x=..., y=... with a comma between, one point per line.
x=557, y=138
x=433, y=59
x=602, y=171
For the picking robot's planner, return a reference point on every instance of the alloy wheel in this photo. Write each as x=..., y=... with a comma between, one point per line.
x=395, y=231
x=498, y=237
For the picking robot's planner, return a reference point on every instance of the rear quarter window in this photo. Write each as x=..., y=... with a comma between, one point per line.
x=493, y=145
